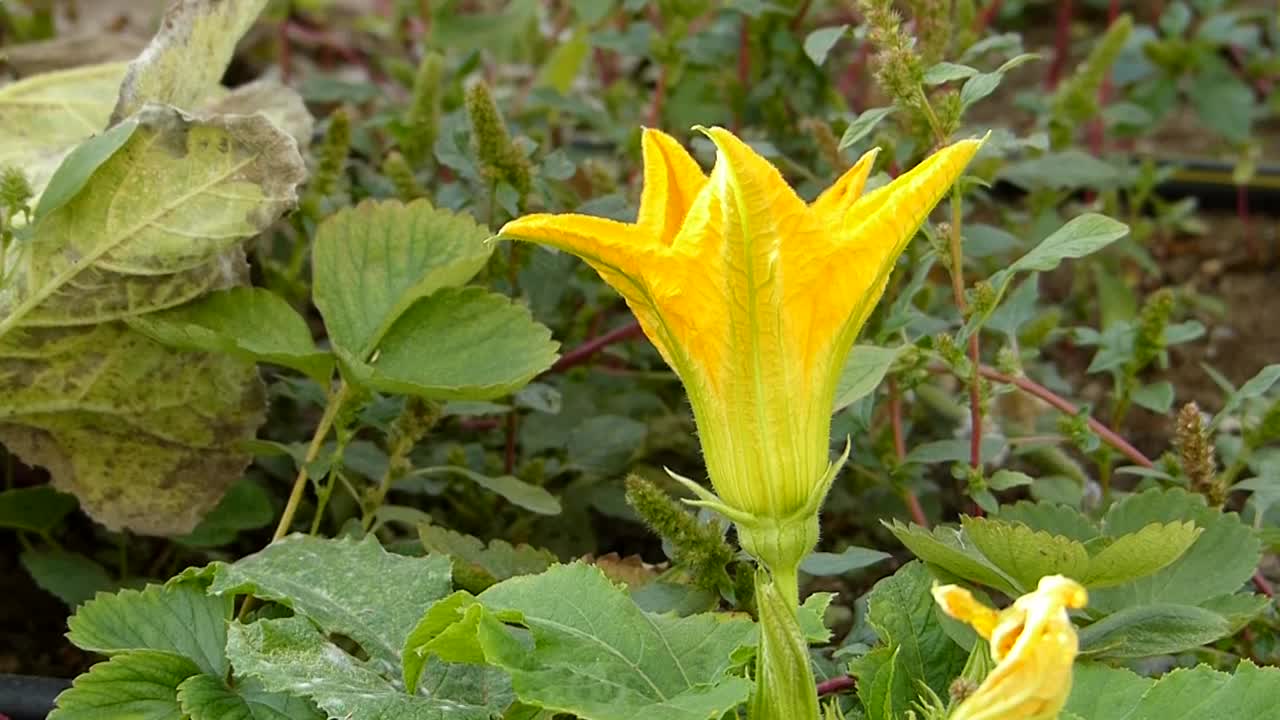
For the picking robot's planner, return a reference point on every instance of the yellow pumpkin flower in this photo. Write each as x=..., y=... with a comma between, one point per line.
x=754, y=298
x=1033, y=644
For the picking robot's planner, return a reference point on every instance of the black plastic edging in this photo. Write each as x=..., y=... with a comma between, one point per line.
x=25, y=697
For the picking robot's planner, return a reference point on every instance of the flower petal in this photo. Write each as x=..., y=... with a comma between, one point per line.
x=877, y=228
x=843, y=193
x=961, y=605
x=672, y=180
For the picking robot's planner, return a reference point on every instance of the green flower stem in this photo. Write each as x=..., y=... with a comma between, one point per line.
x=785, y=686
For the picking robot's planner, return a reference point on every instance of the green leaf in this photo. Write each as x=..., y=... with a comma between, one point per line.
x=1104, y=693
x=1157, y=629
x=376, y=260
x=186, y=59
x=584, y=629
x=146, y=437
x=1053, y=518
x=877, y=683
x=981, y=85
x=863, y=125
x=1257, y=386
x=1066, y=170
x=178, y=618
x=248, y=322
x=1220, y=561
x=1156, y=397
x=290, y=656
x=457, y=344
x=1080, y=236
x=955, y=450
x=818, y=44
x=1008, y=479
x=246, y=506
x=863, y=372
x=528, y=496
x=34, y=509
x=901, y=609
x=342, y=585
x=850, y=559
x=138, y=685
x=1140, y=554
x=205, y=697
x=945, y=72
x=158, y=224
x=565, y=62
x=80, y=164
x=1026, y=555
x=44, y=116
x=950, y=550
x=72, y=577
x=488, y=564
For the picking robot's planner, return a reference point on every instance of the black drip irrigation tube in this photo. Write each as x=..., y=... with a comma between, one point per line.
x=24, y=697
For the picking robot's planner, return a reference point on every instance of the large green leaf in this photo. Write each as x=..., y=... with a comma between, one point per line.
x=595, y=654
x=902, y=611
x=147, y=437
x=205, y=697
x=1219, y=562
x=35, y=509
x=290, y=656
x=355, y=589
x=248, y=322
x=476, y=566
x=137, y=685
x=374, y=261
x=951, y=551
x=1026, y=555
x=179, y=618
x=1106, y=693
x=1053, y=518
x=457, y=344
x=44, y=116
x=71, y=576
x=157, y=224
x=1140, y=553
x=186, y=59
x=1157, y=629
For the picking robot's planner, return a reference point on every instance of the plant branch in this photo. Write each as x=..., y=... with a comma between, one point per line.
x=1032, y=387
x=582, y=353
x=900, y=451
x=835, y=685
x=334, y=404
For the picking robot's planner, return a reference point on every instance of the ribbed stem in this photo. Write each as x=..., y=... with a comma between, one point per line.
x=784, y=676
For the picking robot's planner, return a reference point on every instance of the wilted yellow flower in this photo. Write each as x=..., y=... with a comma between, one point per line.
x=1033, y=644
x=754, y=297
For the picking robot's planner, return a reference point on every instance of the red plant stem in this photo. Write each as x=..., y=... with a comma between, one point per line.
x=1032, y=387
x=988, y=14
x=509, y=458
x=900, y=450
x=836, y=685
x=1264, y=587
x=285, y=59
x=1061, y=45
x=798, y=19
x=583, y=352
